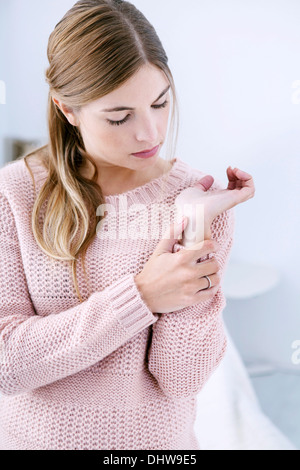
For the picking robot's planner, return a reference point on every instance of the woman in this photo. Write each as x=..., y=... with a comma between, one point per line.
x=108, y=350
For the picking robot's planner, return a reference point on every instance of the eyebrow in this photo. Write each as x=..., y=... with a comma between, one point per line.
x=126, y=108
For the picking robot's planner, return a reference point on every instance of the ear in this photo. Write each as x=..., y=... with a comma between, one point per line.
x=69, y=114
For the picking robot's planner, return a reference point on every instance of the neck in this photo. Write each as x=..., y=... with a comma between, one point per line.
x=111, y=184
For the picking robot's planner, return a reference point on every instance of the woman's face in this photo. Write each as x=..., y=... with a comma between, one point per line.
x=112, y=135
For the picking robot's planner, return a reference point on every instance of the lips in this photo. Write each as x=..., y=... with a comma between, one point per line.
x=146, y=153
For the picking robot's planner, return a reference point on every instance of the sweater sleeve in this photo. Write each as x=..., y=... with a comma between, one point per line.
x=188, y=345
x=36, y=351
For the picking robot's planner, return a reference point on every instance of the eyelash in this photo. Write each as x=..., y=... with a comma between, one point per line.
x=119, y=123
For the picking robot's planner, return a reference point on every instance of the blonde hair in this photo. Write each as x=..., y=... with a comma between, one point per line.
x=94, y=49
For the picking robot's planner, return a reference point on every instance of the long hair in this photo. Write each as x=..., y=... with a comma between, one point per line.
x=95, y=48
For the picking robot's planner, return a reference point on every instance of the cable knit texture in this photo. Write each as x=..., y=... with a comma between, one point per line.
x=106, y=373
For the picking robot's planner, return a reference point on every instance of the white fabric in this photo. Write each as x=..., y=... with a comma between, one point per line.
x=229, y=416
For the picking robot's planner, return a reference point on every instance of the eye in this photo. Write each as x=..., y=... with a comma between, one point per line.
x=159, y=106
x=118, y=123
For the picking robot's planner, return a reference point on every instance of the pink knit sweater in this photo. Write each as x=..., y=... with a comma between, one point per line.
x=106, y=373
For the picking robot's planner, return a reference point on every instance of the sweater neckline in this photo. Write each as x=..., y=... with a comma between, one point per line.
x=148, y=192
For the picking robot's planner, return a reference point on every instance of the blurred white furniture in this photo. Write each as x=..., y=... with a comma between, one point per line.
x=244, y=280
x=229, y=416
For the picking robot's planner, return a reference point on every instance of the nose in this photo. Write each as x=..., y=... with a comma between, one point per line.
x=146, y=130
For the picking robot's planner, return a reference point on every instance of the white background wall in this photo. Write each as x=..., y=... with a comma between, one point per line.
x=234, y=63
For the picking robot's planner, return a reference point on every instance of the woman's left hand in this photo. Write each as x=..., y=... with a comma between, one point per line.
x=240, y=188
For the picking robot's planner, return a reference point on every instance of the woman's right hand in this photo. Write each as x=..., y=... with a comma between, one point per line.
x=172, y=281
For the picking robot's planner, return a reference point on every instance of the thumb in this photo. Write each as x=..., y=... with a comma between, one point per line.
x=205, y=183
x=170, y=237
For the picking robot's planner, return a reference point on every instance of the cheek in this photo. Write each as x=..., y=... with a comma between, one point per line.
x=113, y=141
x=102, y=136
x=114, y=137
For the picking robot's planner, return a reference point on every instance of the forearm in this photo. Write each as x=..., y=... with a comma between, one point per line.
x=188, y=345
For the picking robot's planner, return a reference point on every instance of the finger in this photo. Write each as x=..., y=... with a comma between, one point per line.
x=205, y=183
x=242, y=174
x=203, y=283
x=171, y=236
x=207, y=268
x=231, y=178
x=241, y=179
x=245, y=181
x=200, y=250
x=204, y=287
x=231, y=174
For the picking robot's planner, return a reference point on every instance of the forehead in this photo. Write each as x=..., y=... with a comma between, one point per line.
x=144, y=86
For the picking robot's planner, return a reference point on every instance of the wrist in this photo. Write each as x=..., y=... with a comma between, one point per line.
x=207, y=230
x=207, y=234
x=142, y=290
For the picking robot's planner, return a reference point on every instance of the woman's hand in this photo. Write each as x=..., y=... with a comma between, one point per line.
x=202, y=206
x=240, y=188
x=172, y=281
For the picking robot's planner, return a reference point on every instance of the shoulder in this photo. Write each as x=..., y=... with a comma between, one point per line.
x=16, y=174
x=12, y=177
x=9, y=169
x=18, y=183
